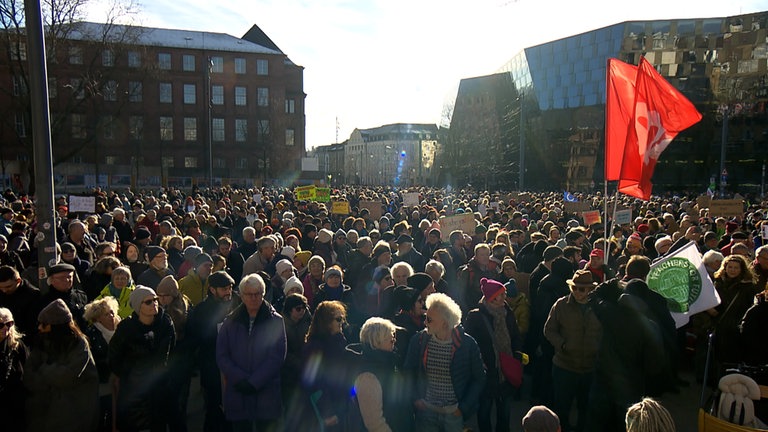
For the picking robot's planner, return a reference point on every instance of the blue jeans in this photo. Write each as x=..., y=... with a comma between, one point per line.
x=569, y=386
x=430, y=421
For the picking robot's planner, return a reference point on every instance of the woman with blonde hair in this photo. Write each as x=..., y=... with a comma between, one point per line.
x=13, y=355
x=649, y=415
x=103, y=318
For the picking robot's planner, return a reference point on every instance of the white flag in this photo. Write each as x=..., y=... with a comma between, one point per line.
x=683, y=280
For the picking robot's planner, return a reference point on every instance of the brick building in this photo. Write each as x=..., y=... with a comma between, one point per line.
x=129, y=107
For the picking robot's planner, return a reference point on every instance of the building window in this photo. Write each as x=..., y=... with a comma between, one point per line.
x=134, y=59
x=135, y=91
x=19, y=86
x=217, y=129
x=53, y=88
x=189, y=94
x=166, y=93
x=190, y=162
x=217, y=95
x=166, y=128
x=241, y=130
x=263, y=96
x=110, y=91
x=290, y=106
x=107, y=58
x=262, y=67
x=263, y=128
x=190, y=129
x=21, y=125
x=136, y=127
x=290, y=137
x=110, y=160
x=19, y=51
x=77, y=88
x=239, y=66
x=242, y=163
x=217, y=64
x=78, y=126
x=167, y=161
x=164, y=61
x=108, y=127
x=219, y=162
x=240, y=99
x=75, y=55
x=188, y=61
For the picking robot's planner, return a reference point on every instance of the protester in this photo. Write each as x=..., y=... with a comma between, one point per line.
x=103, y=319
x=13, y=356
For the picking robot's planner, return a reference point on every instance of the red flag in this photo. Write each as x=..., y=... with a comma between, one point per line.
x=619, y=106
x=660, y=113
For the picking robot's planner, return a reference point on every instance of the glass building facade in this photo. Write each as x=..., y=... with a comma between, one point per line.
x=554, y=108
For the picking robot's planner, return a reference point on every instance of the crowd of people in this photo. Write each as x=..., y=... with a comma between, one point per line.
x=297, y=318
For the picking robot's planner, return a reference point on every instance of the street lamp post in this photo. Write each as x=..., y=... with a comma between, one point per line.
x=209, y=120
x=723, y=144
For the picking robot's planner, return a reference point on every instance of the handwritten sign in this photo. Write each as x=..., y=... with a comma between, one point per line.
x=464, y=222
x=305, y=193
x=623, y=216
x=82, y=204
x=374, y=208
x=576, y=207
x=726, y=208
x=322, y=194
x=340, y=207
x=765, y=232
x=411, y=199
x=591, y=217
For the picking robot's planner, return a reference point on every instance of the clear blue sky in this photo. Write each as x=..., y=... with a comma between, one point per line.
x=374, y=62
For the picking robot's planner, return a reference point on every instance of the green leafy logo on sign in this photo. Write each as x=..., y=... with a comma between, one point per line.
x=678, y=280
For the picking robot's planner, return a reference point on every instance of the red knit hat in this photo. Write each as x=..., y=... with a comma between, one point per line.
x=491, y=288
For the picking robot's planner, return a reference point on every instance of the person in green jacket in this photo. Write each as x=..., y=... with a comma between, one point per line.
x=120, y=288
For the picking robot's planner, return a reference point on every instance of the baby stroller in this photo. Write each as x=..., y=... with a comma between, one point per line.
x=739, y=403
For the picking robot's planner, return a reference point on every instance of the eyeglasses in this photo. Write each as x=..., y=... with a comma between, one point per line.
x=7, y=324
x=151, y=301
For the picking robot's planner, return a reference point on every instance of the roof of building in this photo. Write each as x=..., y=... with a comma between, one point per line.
x=150, y=36
x=400, y=128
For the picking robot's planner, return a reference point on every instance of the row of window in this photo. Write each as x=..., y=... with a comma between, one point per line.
x=136, y=128
x=165, y=61
x=189, y=162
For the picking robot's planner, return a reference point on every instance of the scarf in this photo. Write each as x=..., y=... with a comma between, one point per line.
x=105, y=332
x=501, y=337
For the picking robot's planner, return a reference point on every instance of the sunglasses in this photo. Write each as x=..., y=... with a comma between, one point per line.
x=151, y=301
x=8, y=324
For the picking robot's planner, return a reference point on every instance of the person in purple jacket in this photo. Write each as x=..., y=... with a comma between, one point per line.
x=250, y=351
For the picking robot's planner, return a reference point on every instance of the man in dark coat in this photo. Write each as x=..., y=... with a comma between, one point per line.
x=158, y=267
x=202, y=329
x=22, y=299
x=407, y=253
x=60, y=281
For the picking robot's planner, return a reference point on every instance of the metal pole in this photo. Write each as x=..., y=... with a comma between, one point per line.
x=762, y=182
x=209, y=91
x=41, y=139
x=521, y=182
x=723, y=144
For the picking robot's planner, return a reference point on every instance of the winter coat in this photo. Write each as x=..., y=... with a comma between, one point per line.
x=326, y=367
x=193, y=287
x=552, y=287
x=138, y=356
x=250, y=363
x=575, y=333
x=382, y=399
x=753, y=334
x=63, y=391
x=407, y=328
x=124, y=308
x=477, y=328
x=202, y=331
x=295, y=334
x=467, y=372
x=412, y=257
x=736, y=298
x=12, y=392
x=25, y=304
x=469, y=282
x=75, y=301
x=152, y=277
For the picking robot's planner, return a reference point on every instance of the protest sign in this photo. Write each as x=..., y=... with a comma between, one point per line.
x=340, y=207
x=257, y=199
x=464, y=222
x=305, y=193
x=622, y=217
x=322, y=194
x=374, y=207
x=591, y=217
x=411, y=199
x=575, y=207
x=726, y=208
x=82, y=204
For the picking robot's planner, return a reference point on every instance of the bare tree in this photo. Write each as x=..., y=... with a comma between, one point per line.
x=79, y=52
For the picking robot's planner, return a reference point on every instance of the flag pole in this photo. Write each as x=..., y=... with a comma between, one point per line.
x=605, y=232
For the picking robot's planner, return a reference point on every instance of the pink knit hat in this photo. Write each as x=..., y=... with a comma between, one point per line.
x=491, y=288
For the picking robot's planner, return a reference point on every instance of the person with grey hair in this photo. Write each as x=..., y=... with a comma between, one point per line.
x=103, y=319
x=379, y=387
x=662, y=245
x=712, y=260
x=262, y=259
x=436, y=270
x=760, y=265
x=447, y=367
x=250, y=351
